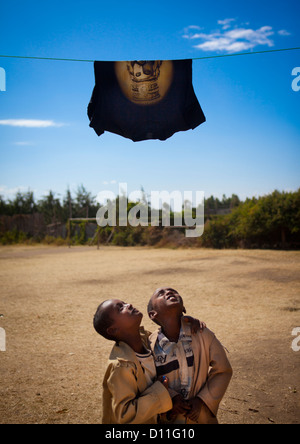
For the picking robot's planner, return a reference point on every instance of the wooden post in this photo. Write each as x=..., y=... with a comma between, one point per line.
x=69, y=233
x=98, y=239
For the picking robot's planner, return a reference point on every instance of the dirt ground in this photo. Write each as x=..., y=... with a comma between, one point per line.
x=52, y=369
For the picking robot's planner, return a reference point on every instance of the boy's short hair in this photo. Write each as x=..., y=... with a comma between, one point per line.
x=150, y=303
x=151, y=308
x=102, y=322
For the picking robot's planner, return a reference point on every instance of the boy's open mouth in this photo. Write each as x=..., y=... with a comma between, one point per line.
x=172, y=298
x=135, y=311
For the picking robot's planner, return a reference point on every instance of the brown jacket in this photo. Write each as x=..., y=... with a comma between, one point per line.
x=126, y=396
x=212, y=373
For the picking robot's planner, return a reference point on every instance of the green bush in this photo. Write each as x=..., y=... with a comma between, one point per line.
x=13, y=237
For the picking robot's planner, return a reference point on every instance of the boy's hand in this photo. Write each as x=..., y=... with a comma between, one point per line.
x=195, y=409
x=196, y=325
x=180, y=407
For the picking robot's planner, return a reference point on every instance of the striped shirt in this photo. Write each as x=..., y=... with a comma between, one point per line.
x=176, y=361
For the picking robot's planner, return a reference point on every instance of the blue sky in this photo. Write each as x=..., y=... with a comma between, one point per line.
x=250, y=144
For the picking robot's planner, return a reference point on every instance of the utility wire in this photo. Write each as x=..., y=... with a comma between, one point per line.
x=46, y=58
x=246, y=53
x=194, y=58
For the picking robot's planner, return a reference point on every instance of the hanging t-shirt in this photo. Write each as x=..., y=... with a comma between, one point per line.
x=143, y=100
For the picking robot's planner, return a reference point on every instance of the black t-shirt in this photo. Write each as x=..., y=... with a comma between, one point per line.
x=143, y=100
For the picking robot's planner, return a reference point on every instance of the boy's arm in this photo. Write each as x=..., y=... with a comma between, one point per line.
x=130, y=406
x=218, y=379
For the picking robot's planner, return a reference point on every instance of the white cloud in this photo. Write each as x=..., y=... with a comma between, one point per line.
x=111, y=182
x=193, y=27
x=27, y=123
x=284, y=32
x=23, y=143
x=190, y=29
x=226, y=23
x=235, y=40
x=232, y=39
x=9, y=192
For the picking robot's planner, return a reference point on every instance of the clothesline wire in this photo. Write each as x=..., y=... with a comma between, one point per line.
x=246, y=53
x=193, y=58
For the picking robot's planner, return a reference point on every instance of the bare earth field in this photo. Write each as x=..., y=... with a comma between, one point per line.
x=52, y=369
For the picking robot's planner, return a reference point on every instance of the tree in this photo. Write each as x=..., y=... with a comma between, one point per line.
x=23, y=203
x=84, y=201
x=3, y=206
x=51, y=208
x=68, y=205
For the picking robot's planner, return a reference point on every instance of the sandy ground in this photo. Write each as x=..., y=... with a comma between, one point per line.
x=52, y=369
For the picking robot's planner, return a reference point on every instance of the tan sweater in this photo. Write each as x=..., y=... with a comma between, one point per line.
x=212, y=373
x=126, y=396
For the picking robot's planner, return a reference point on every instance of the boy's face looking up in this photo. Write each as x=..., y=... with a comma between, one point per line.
x=124, y=318
x=164, y=302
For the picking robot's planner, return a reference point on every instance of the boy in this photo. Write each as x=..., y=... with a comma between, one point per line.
x=131, y=393
x=197, y=367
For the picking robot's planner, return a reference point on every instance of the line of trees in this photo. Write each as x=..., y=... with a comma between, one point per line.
x=83, y=205
x=53, y=209
x=271, y=221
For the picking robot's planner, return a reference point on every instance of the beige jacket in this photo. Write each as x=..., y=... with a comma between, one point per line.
x=212, y=373
x=126, y=396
